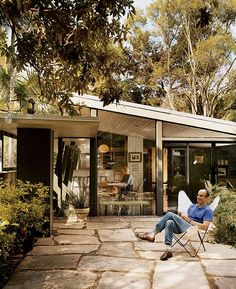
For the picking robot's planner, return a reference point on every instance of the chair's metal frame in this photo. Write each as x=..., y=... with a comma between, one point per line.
x=183, y=244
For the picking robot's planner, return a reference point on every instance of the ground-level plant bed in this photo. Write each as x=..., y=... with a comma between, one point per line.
x=7, y=268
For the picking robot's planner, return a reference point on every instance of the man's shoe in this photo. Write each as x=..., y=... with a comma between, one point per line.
x=146, y=237
x=166, y=256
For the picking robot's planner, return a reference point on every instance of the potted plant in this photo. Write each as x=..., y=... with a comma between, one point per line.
x=79, y=202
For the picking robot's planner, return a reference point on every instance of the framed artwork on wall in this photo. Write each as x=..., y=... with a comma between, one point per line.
x=135, y=157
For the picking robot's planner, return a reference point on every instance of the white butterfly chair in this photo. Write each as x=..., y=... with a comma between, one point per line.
x=183, y=205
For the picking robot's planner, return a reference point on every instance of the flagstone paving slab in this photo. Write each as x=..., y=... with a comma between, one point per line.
x=104, y=263
x=217, y=251
x=117, y=249
x=179, y=274
x=49, y=262
x=76, y=240
x=224, y=268
x=77, y=225
x=155, y=255
x=75, y=232
x=107, y=225
x=148, y=246
x=225, y=283
x=118, y=280
x=117, y=235
x=44, y=242
x=63, y=249
x=53, y=279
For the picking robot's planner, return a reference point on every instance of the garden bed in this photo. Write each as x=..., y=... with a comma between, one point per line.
x=7, y=268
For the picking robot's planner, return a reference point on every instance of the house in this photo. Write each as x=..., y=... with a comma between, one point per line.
x=164, y=151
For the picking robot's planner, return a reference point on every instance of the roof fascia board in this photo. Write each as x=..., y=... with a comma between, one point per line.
x=48, y=118
x=62, y=126
x=159, y=114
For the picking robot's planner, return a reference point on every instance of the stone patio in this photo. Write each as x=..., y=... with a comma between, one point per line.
x=108, y=255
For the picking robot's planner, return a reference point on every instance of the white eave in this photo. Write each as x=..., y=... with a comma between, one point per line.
x=155, y=113
x=62, y=126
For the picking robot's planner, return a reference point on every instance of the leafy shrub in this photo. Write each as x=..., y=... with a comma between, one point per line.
x=23, y=213
x=7, y=238
x=225, y=215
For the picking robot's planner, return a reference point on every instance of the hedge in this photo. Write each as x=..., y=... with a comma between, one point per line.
x=225, y=215
x=23, y=213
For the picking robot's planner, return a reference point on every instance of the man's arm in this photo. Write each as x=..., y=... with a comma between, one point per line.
x=201, y=226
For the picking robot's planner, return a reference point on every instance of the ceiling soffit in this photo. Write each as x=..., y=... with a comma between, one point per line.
x=124, y=124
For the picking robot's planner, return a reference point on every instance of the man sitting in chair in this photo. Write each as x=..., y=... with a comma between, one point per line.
x=128, y=181
x=199, y=215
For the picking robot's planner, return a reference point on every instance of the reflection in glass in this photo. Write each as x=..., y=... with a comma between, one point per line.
x=226, y=163
x=116, y=167
x=75, y=169
x=9, y=152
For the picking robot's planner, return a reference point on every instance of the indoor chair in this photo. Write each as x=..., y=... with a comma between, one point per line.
x=184, y=238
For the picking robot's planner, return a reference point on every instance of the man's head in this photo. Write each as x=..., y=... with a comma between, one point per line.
x=202, y=197
x=125, y=170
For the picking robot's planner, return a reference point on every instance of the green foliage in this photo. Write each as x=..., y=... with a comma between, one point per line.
x=78, y=201
x=23, y=212
x=7, y=237
x=65, y=42
x=183, y=54
x=225, y=215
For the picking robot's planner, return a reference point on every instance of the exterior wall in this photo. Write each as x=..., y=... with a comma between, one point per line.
x=34, y=158
x=159, y=170
x=135, y=145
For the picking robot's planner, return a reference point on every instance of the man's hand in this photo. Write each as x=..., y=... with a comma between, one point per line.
x=186, y=218
x=201, y=226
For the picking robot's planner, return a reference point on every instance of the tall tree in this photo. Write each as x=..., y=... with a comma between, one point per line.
x=141, y=55
x=64, y=41
x=195, y=67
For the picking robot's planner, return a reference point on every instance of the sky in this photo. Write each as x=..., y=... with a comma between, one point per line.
x=142, y=3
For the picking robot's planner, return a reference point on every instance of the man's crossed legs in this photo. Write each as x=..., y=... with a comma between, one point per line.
x=172, y=223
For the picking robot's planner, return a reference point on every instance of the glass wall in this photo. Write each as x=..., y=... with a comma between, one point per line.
x=8, y=157
x=174, y=173
x=149, y=177
x=9, y=147
x=75, y=169
x=199, y=167
x=189, y=166
x=226, y=164
x=126, y=175
x=186, y=166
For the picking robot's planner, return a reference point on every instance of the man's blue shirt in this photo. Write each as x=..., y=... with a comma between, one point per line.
x=200, y=214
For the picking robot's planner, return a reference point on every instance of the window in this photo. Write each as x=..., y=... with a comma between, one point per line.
x=9, y=151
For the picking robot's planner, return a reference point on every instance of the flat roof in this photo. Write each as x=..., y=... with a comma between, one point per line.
x=63, y=126
x=156, y=113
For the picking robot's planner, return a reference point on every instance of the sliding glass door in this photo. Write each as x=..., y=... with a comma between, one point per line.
x=186, y=166
x=199, y=167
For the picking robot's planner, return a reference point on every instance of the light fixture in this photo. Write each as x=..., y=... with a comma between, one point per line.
x=104, y=148
x=8, y=118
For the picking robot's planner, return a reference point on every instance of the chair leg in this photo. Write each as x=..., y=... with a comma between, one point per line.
x=201, y=241
x=178, y=240
x=183, y=244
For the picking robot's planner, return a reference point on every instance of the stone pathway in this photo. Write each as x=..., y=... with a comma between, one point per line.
x=108, y=255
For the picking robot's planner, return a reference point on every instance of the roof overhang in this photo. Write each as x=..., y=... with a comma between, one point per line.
x=159, y=114
x=62, y=126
